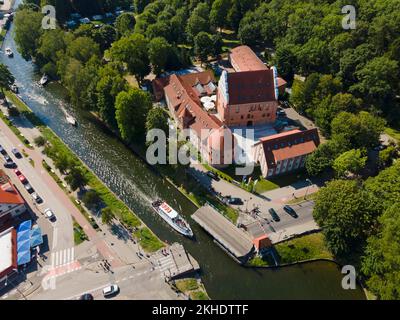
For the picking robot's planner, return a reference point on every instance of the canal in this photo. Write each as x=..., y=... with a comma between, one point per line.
x=137, y=186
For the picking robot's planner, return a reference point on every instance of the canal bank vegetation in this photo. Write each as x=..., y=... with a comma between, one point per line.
x=192, y=288
x=299, y=249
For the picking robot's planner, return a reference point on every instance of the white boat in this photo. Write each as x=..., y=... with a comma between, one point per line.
x=14, y=88
x=43, y=80
x=172, y=218
x=71, y=119
x=9, y=52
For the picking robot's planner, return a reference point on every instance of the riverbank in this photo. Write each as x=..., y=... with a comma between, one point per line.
x=147, y=239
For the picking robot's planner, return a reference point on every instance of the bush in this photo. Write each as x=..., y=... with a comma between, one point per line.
x=91, y=199
x=40, y=141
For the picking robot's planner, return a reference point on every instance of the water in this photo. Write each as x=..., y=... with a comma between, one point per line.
x=133, y=181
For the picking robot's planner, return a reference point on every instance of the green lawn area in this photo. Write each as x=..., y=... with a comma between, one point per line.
x=79, y=234
x=311, y=196
x=185, y=285
x=394, y=133
x=264, y=185
x=199, y=295
x=148, y=240
x=2, y=36
x=308, y=247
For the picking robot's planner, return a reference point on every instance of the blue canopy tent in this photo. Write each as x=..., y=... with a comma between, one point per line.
x=36, y=237
x=24, y=242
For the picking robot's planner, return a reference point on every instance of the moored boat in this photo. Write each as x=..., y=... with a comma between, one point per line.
x=172, y=218
x=9, y=52
x=43, y=80
x=71, y=120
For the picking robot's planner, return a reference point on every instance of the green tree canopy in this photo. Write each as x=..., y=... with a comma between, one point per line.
x=351, y=161
x=125, y=24
x=159, y=52
x=131, y=111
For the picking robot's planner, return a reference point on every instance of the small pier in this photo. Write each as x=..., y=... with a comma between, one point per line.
x=233, y=240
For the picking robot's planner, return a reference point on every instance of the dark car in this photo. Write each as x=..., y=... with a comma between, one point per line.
x=213, y=175
x=2, y=151
x=7, y=158
x=86, y=296
x=273, y=214
x=280, y=112
x=16, y=153
x=236, y=201
x=10, y=165
x=291, y=211
x=29, y=188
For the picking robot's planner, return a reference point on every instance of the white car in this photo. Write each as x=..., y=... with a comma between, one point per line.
x=49, y=214
x=110, y=290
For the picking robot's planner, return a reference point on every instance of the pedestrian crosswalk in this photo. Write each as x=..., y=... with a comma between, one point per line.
x=166, y=264
x=62, y=257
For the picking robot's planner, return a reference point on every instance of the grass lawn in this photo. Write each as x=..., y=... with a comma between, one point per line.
x=79, y=234
x=311, y=246
x=307, y=247
x=132, y=81
x=199, y=295
x=187, y=285
x=394, y=133
x=264, y=185
x=148, y=240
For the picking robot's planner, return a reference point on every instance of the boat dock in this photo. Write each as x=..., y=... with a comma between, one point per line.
x=235, y=241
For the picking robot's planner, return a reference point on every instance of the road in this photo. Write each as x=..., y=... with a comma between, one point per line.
x=139, y=282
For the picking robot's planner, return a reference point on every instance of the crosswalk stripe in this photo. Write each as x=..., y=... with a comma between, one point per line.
x=52, y=259
x=64, y=261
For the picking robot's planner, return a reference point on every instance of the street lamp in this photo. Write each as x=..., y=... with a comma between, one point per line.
x=309, y=184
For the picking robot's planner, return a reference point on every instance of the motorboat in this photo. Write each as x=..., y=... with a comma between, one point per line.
x=43, y=80
x=172, y=217
x=71, y=120
x=14, y=88
x=9, y=52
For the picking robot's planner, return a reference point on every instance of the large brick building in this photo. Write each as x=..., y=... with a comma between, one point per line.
x=246, y=97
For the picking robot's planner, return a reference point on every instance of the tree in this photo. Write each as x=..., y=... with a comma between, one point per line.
x=139, y=5
x=387, y=156
x=125, y=24
x=91, y=199
x=159, y=51
x=40, y=141
x=157, y=118
x=131, y=110
x=28, y=29
x=351, y=161
x=381, y=258
x=361, y=130
x=133, y=51
x=218, y=13
x=322, y=158
x=6, y=78
x=76, y=178
x=107, y=215
x=82, y=49
x=303, y=92
x=107, y=90
x=377, y=80
x=203, y=46
x=198, y=21
x=104, y=36
x=285, y=60
x=346, y=214
x=62, y=162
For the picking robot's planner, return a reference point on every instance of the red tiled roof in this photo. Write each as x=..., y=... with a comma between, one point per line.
x=8, y=193
x=261, y=242
x=289, y=144
x=251, y=86
x=294, y=151
x=244, y=59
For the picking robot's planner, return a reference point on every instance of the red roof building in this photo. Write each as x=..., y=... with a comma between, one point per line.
x=286, y=151
x=11, y=202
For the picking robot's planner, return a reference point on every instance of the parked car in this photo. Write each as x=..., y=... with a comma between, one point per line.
x=16, y=153
x=213, y=175
x=2, y=151
x=290, y=210
x=110, y=290
x=10, y=165
x=17, y=172
x=23, y=179
x=273, y=214
x=49, y=214
x=8, y=159
x=36, y=197
x=280, y=112
x=86, y=296
x=29, y=188
x=236, y=201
